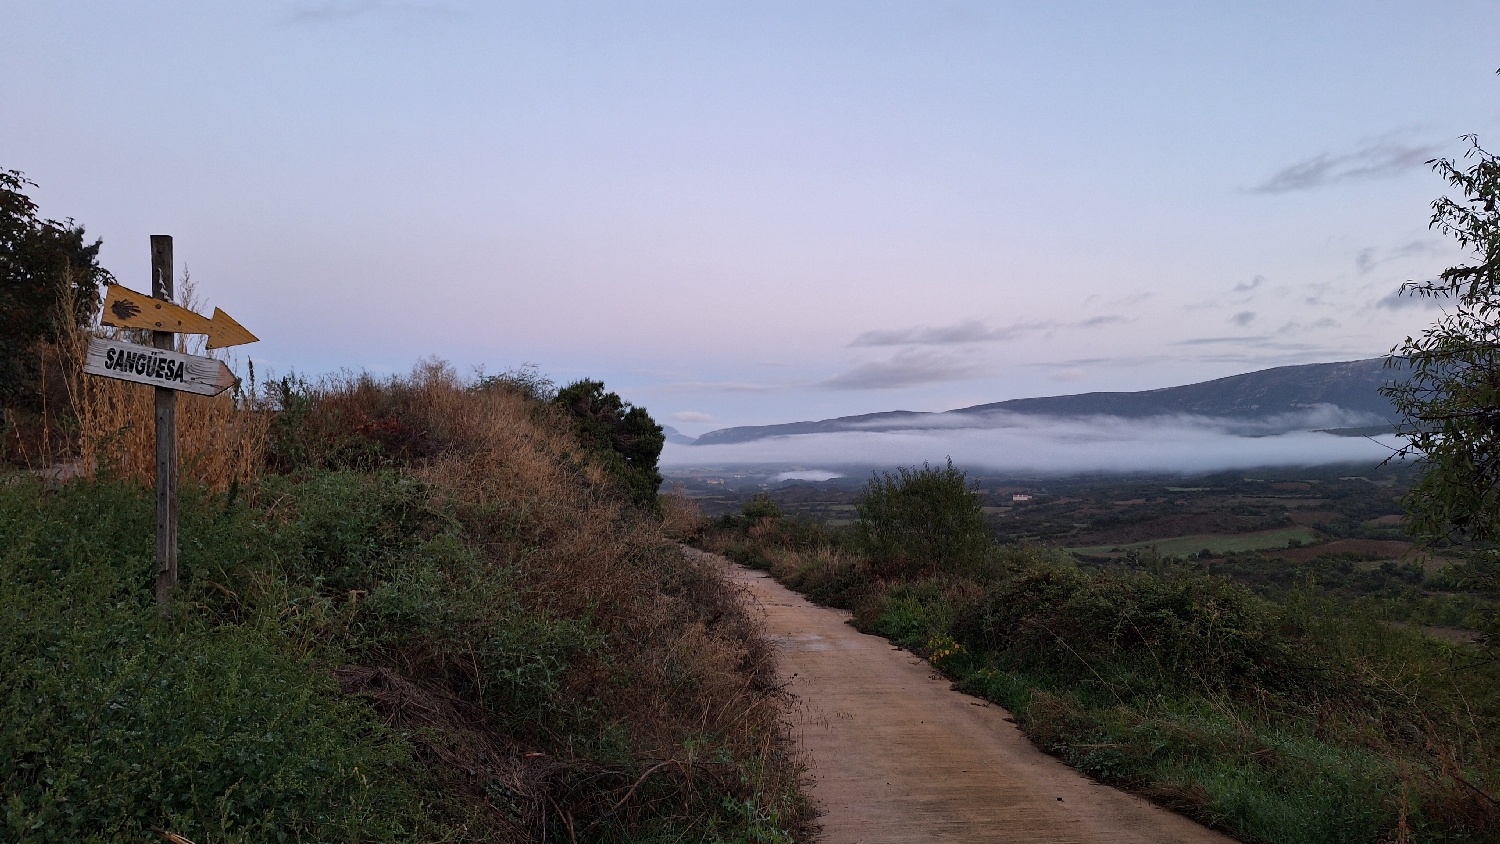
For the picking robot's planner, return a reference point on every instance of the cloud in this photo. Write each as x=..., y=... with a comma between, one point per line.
x=1369, y=258
x=908, y=368
x=1053, y=446
x=971, y=331
x=1372, y=160
x=1092, y=322
x=1243, y=318
x=1280, y=342
x=340, y=10
x=1068, y=375
x=1396, y=300
x=1214, y=341
x=722, y=387
x=817, y=475
x=693, y=416
x=1121, y=361
x=1247, y=286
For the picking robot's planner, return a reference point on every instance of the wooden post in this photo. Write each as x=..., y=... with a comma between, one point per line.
x=166, y=438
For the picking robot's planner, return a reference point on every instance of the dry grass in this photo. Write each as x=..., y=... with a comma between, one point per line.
x=681, y=518
x=683, y=661
x=584, y=553
x=90, y=425
x=680, y=667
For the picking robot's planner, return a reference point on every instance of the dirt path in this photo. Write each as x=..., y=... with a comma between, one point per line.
x=897, y=756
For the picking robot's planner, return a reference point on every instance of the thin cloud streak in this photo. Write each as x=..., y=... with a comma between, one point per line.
x=909, y=368
x=1399, y=299
x=1214, y=341
x=1376, y=160
x=971, y=331
x=1368, y=259
x=722, y=387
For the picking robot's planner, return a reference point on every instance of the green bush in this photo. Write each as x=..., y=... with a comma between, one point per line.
x=927, y=519
x=1156, y=633
x=1303, y=719
x=624, y=438
x=761, y=506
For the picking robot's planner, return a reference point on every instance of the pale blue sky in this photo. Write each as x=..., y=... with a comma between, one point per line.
x=746, y=213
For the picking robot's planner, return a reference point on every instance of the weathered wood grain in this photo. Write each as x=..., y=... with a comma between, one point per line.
x=147, y=365
x=166, y=422
x=125, y=308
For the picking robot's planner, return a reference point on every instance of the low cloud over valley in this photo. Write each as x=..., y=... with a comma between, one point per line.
x=1062, y=446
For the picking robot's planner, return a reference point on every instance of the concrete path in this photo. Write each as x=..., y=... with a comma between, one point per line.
x=897, y=756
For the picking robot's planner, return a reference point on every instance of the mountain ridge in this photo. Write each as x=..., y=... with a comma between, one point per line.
x=1352, y=386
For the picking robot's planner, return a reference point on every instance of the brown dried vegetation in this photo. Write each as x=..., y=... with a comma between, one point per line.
x=89, y=426
x=661, y=714
x=680, y=667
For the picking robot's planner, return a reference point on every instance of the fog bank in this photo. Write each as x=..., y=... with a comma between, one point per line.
x=1043, y=445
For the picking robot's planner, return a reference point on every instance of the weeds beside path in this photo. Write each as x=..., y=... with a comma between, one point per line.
x=1278, y=721
x=897, y=756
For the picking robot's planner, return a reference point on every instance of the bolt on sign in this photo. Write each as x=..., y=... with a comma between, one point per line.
x=170, y=372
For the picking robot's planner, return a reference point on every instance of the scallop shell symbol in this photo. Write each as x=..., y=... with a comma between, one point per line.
x=124, y=309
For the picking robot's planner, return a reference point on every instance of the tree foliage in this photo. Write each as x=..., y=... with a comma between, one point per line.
x=623, y=436
x=39, y=259
x=1449, y=400
x=922, y=519
x=761, y=507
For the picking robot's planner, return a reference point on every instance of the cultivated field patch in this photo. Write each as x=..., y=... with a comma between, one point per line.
x=1218, y=543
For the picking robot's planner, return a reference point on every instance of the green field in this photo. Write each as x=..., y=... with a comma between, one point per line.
x=1219, y=543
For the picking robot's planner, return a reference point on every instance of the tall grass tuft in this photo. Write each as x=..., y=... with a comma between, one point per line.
x=111, y=424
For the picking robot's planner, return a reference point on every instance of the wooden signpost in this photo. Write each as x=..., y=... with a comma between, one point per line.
x=169, y=371
x=157, y=367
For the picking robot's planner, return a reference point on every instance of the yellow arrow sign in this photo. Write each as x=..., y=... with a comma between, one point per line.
x=128, y=309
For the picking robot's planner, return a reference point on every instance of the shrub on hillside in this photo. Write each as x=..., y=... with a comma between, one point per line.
x=927, y=519
x=761, y=507
x=521, y=656
x=1300, y=720
x=621, y=436
x=1158, y=633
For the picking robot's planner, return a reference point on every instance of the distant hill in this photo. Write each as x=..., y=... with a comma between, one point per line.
x=675, y=436
x=1285, y=390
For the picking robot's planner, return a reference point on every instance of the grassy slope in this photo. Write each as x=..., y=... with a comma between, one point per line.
x=1283, y=722
x=437, y=623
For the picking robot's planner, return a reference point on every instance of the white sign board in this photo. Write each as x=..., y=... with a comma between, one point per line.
x=158, y=367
